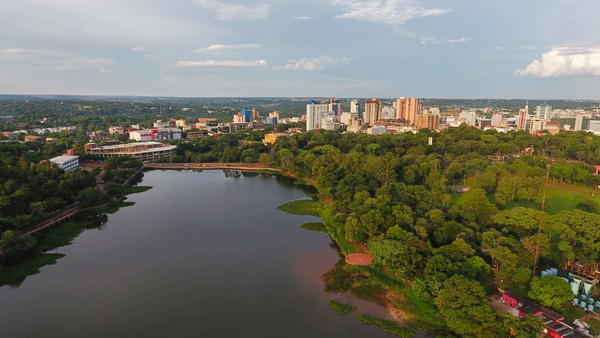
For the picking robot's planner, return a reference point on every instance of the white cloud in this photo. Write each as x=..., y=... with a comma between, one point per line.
x=80, y=63
x=461, y=40
x=498, y=48
x=430, y=39
x=227, y=12
x=527, y=47
x=390, y=12
x=224, y=48
x=53, y=60
x=316, y=63
x=22, y=54
x=138, y=49
x=303, y=18
x=222, y=64
x=565, y=61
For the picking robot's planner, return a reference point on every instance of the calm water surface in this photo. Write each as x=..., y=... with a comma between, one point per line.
x=198, y=255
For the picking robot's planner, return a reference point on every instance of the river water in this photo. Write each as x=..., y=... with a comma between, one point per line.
x=199, y=255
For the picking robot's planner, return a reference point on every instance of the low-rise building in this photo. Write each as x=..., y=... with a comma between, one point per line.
x=377, y=130
x=34, y=138
x=140, y=135
x=11, y=134
x=273, y=137
x=161, y=124
x=116, y=130
x=139, y=150
x=162, y=134
x=66, y=162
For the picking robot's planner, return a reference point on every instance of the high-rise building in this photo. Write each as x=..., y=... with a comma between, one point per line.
x=388, y=113
x=335, y=107
x=523, y=117
x=255, y=114
x=428, y=121
x=371, y=111
x=315, y=112
x=469, y=116
x=408, y=109
x=497, y=120
x=543, y=111
x=247, y=114
x=578, y=122
x=355, y=108
x=594, y=126
x=273, y=118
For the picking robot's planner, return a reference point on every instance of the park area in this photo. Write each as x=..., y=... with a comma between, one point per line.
x=558, y=198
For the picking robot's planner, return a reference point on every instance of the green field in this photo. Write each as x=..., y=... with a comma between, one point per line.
x=558, y=198
x=573, y=312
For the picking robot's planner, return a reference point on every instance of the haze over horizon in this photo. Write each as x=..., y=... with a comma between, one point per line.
x=542, y=49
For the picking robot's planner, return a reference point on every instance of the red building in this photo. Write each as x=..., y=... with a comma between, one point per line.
x=555, y=323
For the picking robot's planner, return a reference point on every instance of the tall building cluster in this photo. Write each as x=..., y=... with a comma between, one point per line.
x=371, y=116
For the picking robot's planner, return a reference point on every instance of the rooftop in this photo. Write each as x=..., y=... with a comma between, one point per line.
x=131, y=145
x=63, y=159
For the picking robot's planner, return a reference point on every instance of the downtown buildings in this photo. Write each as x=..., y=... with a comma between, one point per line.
x=408, y=109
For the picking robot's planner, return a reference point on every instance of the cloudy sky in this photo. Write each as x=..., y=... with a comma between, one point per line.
x=347, y=48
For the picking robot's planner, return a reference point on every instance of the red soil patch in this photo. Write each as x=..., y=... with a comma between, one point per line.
x=359, y=259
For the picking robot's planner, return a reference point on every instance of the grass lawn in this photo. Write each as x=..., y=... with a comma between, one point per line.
x=594, y=326
x=573, y=312
x=568, y=197
x=558, y=198
x=302, y=207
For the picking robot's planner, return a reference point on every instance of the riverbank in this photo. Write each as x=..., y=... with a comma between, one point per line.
x=54, y=237
x=403, y=302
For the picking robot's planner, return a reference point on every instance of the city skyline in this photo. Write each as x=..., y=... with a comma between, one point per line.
x=277, y=48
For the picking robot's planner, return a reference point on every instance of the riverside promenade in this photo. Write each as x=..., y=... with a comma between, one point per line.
x=210, y=166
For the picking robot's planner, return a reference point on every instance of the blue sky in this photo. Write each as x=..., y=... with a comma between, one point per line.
x=346, y=48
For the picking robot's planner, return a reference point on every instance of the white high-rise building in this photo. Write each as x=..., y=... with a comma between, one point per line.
x=542, y=112
x=578, y=122
x=315, y=113
x=388, y=113
x=355, y=107
x=469, y=117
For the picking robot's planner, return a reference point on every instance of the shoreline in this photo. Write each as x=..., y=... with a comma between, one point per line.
x=393, y=312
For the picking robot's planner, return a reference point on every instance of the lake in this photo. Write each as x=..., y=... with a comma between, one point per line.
x=201, y=254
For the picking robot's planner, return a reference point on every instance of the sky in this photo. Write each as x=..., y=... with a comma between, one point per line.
x=533, y=49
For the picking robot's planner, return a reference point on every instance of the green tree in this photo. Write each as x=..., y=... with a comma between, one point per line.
x=477, y=208
x=551, y=291
x=463, y=303
x=15, y=246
